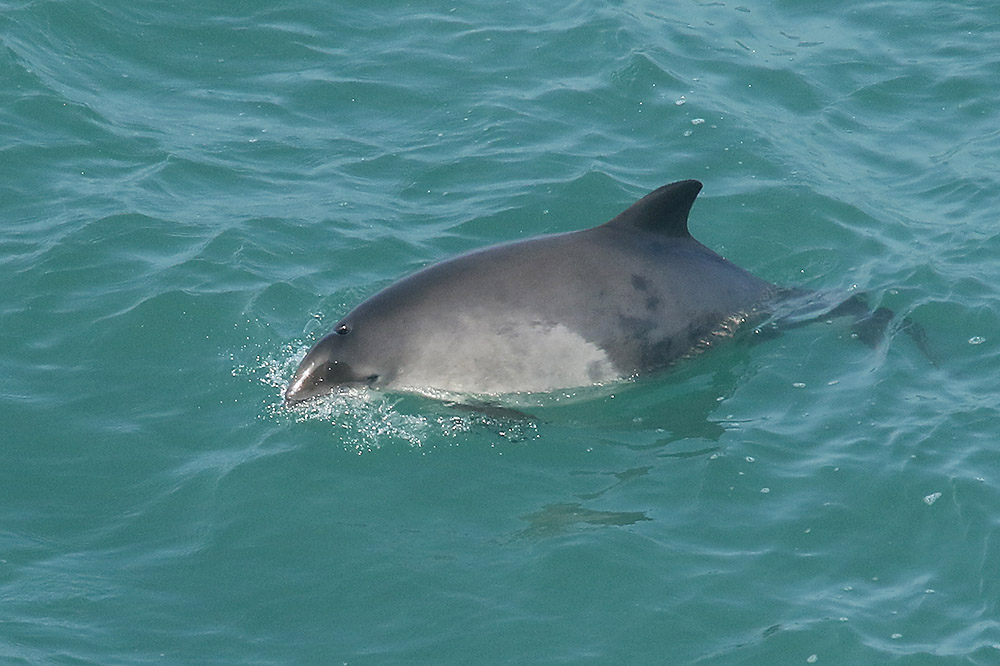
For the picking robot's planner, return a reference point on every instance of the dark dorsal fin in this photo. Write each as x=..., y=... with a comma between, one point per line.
x=663, y=211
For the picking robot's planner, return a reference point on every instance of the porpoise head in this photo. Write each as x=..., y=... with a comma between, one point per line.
x=339, y=359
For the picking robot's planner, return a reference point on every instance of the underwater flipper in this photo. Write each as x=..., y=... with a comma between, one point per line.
x=870, y=328
x=490, y=410
x=870, y=325
x=919, y=336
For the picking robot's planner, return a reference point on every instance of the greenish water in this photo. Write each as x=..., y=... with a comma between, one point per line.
x=191, y=193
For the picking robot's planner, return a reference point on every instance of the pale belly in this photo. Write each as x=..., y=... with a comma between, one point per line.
x=490, y=357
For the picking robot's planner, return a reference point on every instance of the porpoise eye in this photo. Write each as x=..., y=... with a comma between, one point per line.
x=343, y=329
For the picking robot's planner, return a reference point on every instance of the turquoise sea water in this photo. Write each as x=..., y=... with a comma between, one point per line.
x=191, y=193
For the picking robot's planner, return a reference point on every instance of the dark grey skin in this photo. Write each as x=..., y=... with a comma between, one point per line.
x=561, y=311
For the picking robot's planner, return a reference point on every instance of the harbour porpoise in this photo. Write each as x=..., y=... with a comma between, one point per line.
x=560, y=311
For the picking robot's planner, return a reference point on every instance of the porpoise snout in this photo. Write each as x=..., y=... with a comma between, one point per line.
x=309, y=380
x=318, y=375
